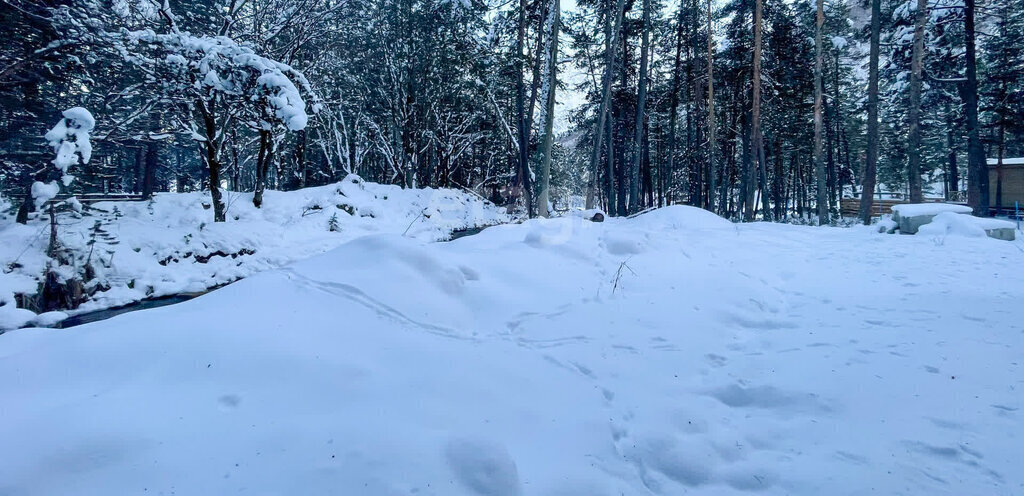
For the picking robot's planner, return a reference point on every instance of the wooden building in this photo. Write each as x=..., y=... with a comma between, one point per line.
x=1006, y=183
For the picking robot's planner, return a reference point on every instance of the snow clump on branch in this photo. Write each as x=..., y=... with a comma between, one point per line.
x=70, y=142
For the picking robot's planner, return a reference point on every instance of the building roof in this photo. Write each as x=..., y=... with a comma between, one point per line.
x=1007, y=161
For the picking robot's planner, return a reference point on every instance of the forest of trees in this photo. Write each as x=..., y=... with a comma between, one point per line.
x=754, y=109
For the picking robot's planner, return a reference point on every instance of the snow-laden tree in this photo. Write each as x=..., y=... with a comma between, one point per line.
x=217, y=83
x=70, y=141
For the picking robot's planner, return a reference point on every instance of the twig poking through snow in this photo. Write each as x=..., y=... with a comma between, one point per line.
x=418, y=217
x=618, y=274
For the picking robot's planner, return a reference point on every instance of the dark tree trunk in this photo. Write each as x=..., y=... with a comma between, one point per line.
x=819, y=159
x=611, y=44
x=757, y=145
x=212, y=148
x=523, y=185
x=263, y=160
x=914, y=114
x=300, y=157
x=712, y=138
x=610, y=172
x=641, y=106
x=953, y=180
x=977, y=173
x=673, y=109
x=778, y=193
x=1001, y=149
x=871, y=165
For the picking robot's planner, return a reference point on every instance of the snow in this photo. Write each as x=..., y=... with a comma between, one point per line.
x=224, y=66
x=284, y=99
x=47, y=319
x=70, y=141
x=962, y=225
x=160, y=248
x=887, y=225
x=44, y=192
x=81, y=119
x=527, y=360
x=1006, y=161
x=916, y=209
x=13, y=318
x=74, y=204
x=70, y=138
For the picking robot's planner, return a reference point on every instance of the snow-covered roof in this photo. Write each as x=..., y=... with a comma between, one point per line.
x=1007, y=161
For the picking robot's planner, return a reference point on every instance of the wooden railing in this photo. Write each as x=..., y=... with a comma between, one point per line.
x=89, y=198
x=850, y=207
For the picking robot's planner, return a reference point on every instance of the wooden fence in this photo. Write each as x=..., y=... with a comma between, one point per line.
x=850, y=207
x=89, y=198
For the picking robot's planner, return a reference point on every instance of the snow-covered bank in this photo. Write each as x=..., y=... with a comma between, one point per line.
x=169, y=245
x=666, y=354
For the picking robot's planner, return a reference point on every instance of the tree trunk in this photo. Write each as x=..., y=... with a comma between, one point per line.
x=830, y=154
x=977, y=173
x=641, y=104
x=691, y=184
x=27, y=206
x=871, y=165
x=999, y=167
x=610, y=172
x=212, y=149
x=531, y=105
x=263, y=160
x=150, y=165
x=547, y=117
x=819, y=158
x=621, y=141
x=673, y=110
x=836, y=167
x=522, y=125
x=611, y=45
x=914, y=115
x=953, y=179
x=746, y=165
x=757, y=147
x=712, y=138
x=778, y=193
x=300, y=157
x=51, y=247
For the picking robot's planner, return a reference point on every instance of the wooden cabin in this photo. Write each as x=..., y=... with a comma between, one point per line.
x=1010, y=178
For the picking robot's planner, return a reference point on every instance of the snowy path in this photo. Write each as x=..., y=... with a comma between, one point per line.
x=729, y=359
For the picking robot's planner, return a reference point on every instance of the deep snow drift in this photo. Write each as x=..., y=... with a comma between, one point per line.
x=170, y=245
x=666, y=354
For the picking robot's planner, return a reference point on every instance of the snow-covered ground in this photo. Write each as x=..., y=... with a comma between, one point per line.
x=669, y=354
x=170, y=245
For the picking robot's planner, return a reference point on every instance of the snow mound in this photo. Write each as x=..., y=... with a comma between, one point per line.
x=681, y=217
x=623, y=243
x=916, y=209
x=549, y=232
x=949, y=223
x=354, y=270
x=12, y=317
